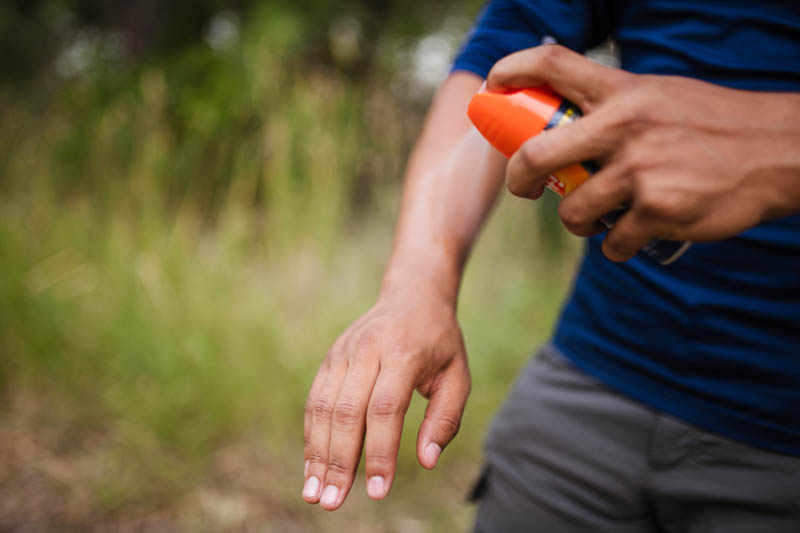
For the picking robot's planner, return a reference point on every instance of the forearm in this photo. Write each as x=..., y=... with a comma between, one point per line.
x=452, y=181
x=410, y=338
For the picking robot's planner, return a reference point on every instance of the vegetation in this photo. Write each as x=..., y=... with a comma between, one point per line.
x=184, y=230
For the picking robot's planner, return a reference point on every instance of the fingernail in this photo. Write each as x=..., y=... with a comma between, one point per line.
x=376, y=487
x=305, y=469
x=329, y=496
x=311, y=488
x=432, y=452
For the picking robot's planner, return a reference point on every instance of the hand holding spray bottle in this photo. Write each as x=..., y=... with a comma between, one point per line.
x=508, y=119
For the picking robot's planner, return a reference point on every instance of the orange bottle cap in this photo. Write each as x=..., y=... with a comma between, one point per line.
x=508, y=119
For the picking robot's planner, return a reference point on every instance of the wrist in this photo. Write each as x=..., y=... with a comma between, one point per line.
x=424, y=273
x=775, y=161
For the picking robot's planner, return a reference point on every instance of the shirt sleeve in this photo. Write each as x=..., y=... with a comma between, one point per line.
x=507, y=26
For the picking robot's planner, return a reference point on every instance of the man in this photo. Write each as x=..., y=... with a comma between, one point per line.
x=669, y=397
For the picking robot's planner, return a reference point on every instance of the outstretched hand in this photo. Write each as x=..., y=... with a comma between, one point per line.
x=363, y=388
x=692, y=160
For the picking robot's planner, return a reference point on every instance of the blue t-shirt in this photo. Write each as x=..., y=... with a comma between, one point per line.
x=714, y=338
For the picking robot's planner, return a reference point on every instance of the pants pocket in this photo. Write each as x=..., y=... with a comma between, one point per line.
x=480, y=486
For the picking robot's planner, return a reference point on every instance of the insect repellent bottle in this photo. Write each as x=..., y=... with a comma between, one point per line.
x=510, y=118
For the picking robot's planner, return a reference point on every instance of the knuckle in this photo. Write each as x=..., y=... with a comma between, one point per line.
x=346, y=413
x=634, y=161
x=520, y=177
x=336, y=348
x=309, y=407
x=500, y=70
x=670, y=207
x=364, y=355
x=658, y=207
x=379, y=461
x=449, y=424
x=516, y=186
x=384, y=408
x=531, y=157
x=315, y=457
x=366, y=345
x=571, y=214
x=550, y=55
x=338, y=466
x=367, y=339
x=635, y=115
x=616, y=241
x=618, y=244
x=322, y=410
x=620, y=79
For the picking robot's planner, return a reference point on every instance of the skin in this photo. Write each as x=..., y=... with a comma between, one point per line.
x=694, y=161
x=410, y=338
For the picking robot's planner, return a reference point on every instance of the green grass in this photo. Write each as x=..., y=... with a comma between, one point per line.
x=172, y=346
x=180, y=245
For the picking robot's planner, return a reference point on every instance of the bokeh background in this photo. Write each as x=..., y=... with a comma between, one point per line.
x=196, y=198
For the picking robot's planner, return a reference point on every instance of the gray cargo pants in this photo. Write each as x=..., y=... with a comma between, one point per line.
x=567, y=454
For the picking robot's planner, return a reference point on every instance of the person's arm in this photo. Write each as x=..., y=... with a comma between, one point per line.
x=410, y=338
x=693, y=160
x=452, y=180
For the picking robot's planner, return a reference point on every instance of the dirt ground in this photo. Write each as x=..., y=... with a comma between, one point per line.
x=46, y=485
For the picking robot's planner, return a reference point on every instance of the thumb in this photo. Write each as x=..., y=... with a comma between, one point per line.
x=579, y=79
x=448, y=397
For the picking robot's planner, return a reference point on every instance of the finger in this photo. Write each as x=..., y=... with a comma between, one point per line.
x=320, y=432
x=581, y=80
x=605, y=192
x=387, y=409
x=347, y=434
x=316, y=385
x=627, y=237
x=556, y=149
x=448, y=397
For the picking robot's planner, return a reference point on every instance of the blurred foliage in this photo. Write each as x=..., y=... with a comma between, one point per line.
x=186, y=224
x=33, y=32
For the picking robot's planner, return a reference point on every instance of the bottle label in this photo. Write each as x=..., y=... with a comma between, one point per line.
x=564, y=181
